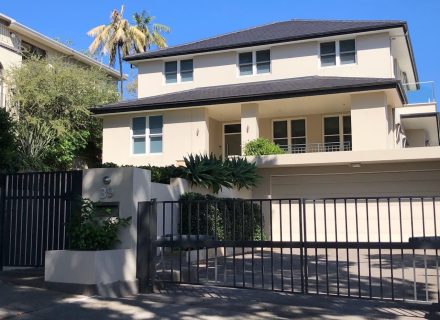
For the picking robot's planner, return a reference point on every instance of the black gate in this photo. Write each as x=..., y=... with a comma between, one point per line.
x=34, y=208
x=381, y=247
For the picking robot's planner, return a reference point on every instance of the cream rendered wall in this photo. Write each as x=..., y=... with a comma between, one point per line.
x=369, y=121
x=249, y=123
x=184, y=132
x=416, y=137
x=8, y=59
x=288, y=61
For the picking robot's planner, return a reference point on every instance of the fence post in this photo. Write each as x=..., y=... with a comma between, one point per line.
x=2, y=216
x=146, y=247
x=301, y=240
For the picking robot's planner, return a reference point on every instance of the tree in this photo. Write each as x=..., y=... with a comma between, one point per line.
x=118, y=38
x=152, y=31
x=8, y=146
x=52, y=98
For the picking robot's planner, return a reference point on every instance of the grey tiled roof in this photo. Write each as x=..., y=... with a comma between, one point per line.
x=272, y=33
x=252, y=91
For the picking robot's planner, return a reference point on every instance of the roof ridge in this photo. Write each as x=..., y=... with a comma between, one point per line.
x=210, y=38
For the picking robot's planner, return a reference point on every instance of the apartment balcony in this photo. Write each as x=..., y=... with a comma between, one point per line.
x=420, y=92
x=9, y=39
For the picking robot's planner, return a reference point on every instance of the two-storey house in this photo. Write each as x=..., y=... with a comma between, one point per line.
x=335, y=95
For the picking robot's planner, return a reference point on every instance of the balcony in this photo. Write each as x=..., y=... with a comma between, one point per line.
x=420, y=92
x=317, y=147
x=9, y=39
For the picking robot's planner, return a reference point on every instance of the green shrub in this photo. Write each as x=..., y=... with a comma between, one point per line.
x=221, y=218
x=206, y=171
x=93, y=229
x=8, y=143
x=261, y=147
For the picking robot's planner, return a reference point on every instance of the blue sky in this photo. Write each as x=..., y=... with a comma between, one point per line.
x=194, y=19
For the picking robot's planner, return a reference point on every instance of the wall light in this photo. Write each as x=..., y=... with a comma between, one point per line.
x=355, y=165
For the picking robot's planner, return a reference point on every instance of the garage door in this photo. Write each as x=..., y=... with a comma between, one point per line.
x=406, y=183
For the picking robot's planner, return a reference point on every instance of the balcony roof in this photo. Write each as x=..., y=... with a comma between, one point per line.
x=253, y=91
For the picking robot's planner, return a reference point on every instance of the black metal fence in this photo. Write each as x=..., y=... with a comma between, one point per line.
x=34, y=208
x=385, y=248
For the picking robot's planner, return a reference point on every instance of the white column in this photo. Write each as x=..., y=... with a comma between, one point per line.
x=369, y=121
x=249, y=123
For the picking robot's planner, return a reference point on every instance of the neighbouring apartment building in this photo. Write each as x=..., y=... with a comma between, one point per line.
x=18, y=41
x=342, y=98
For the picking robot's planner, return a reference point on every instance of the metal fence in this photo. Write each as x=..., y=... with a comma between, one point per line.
x=385, y=248
x=34, y=208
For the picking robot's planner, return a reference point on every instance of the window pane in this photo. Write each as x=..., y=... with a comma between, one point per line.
x=186, y=65
x=280, y=129
x=171, y=77
x=233, y=128
x=233, y=145
x=328, y=48
x=347, y=45
x=155, y=144
x=281, y=142
x=298, y=141
x=298, y=128
x=263, y=67
x=139, y=125
x=245, y=70
x=186, y=76
x=156, y=124
x=263, y=56
x=331, y=140
x=245, y=58
x=171, y=66
x=347, y=142
x=331, y=125
x=329, y=60
x=347, y=124
x=347, y=58
x=139, y=145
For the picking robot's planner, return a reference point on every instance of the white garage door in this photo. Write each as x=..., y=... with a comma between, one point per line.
x=405, y=183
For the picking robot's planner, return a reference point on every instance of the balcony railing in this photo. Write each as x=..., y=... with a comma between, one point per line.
x=420, y=92
x=317, y=147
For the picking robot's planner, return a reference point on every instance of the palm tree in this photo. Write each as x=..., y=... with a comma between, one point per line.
x=118, y=38
x=152, y=31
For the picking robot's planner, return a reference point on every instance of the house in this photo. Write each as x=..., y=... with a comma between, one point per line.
x=18, y=41
x=343, y=98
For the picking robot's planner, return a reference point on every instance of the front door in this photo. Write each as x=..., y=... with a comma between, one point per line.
x=232, y=139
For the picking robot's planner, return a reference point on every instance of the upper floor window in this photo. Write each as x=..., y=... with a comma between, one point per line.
x=256, y=62
x=147, y=135
x=31, y=50
x=179, y=71
x=337, y=52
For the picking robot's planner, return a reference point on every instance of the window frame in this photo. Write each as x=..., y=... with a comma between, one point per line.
x=341, y=133
x=147, y=135
x=289, y=131
x=179, y=75
x=254, y=62
x=338, y=53
x=224, y=134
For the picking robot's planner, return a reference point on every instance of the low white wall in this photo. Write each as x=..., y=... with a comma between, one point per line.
x=90, y=267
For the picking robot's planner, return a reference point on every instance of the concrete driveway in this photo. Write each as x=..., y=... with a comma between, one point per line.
x=197, y=302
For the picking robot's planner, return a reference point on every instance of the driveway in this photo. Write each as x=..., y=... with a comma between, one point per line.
x=197, y=302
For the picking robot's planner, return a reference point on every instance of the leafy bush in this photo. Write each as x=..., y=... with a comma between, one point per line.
x=222, y=218
x=206, y=171
x=91, y=229
x=8, y=143
x=261, y=147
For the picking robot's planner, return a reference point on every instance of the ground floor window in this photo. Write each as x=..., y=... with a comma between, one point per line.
x=147, y=135
x=290, y=135
x=232, y=139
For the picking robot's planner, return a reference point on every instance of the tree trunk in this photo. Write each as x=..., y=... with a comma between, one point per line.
x=121, y=74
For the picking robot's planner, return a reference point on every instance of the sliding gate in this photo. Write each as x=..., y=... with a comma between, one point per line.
x=385, y=248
